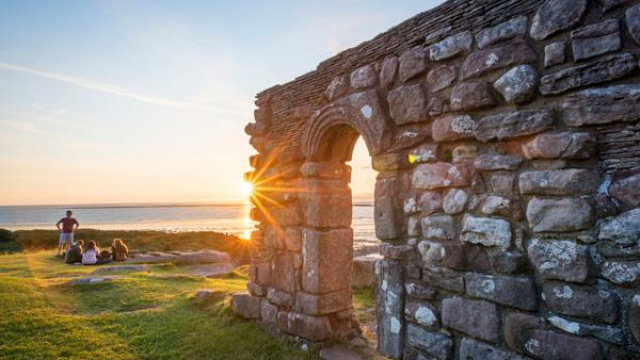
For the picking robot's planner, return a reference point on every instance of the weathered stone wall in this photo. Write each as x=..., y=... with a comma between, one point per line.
x=507, y=139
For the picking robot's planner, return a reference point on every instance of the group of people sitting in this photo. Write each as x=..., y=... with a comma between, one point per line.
x=92, y=255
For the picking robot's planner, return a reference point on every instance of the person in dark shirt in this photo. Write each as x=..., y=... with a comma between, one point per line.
x=74, y=254
x=67, y=225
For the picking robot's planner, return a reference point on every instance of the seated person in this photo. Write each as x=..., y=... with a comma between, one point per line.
x=104, y=256
x=74, y=254
x=119, y=250
x=91, y=255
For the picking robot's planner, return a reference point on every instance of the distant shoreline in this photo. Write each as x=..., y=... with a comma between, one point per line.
x=358, y=203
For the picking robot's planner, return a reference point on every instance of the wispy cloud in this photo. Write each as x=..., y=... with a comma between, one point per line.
x=21, y=126
x=115, y=90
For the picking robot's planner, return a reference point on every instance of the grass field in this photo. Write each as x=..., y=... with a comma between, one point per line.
x=139, y=315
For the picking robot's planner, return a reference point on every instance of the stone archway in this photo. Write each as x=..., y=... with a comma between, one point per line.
x=508, y=178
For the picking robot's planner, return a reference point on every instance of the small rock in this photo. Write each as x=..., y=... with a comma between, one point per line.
x=440, y=175
x=451, y=128
x=495, y=205
x=515, y=124
x=424, y=153
x=435, y=344
x=554, y=54
x=477, y=318
x=441, y=78
x=412, y=63
x=623, y=229
x=142, y=267
x=564, y=145
x=451, y=46
x=567, y=214
x=338, y=353
x=493, y=162
x=518, y=85
x=602, y=105
x=511, y=291
x=430, y=202
x=581, y=301
x=560, y=259
x=464, y=153
x=363, y=77
x=626, y=188
x=503, y=31
x=407, y=104
x=596, y=39
x=242, y=304
x=606, y=333
x=559, y=182
x=438, y=227
x=632, y=16
x=624, y=273
x=603, y=69
x=475, y=350
x=556, y=15
x=210, y=295
x=388, y=72
x=337, y=87
x=471, y=96
x=511, y=53
x=455, y=201
x=486, y=231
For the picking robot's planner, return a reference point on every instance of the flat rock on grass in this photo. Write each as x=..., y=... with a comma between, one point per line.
x=209, y=270
x=183, y=257
x=141, y=267
x=92, y=280
x=338, y=353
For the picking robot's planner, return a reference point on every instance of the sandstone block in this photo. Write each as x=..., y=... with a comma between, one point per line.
x=596, y=39
x=515, y=124
x=438, y=227
x=440, y=175
x=471, y=96
x=435, y=344
x=518, y=328
x=602, y=105
x=245, y=305
x=386, y=209
x=475, y=350
x=554, y=54
x=412, y=63
x=280, y=298
x=464, y=153
x=388, y=72
x=633, y=317
x=282, y=272
x=312, y=304
x=363, y=77
x=496, y=205
x=620, y=272
x=493, y=162
x=327, y=260
x=564, y=145
x=337, y=87
x=268, y=312
x=627, y=189
x=451, y=46
x=632, y=16
x=421, y=312
x=623, y=230
x=441, y=78
x=420, y=290
x=408, y=104
x=560, y=259
x=515, y=27
x=604, y=69
x=518, y=85
x=389, y=307
x=314, y=328
x=606, y=333
x=430, y=202
x=511, y=291
x=581, y=301
x=557, y=346
x=260, y=273
x=559, y=182
x=567, y=214
x=486, y=231
x=477, y=318
x=556, y=15
x=453, y=127
x=326, y=203
x=293, y=239
x=508, y=54
x=455, y=201
x=397, y=252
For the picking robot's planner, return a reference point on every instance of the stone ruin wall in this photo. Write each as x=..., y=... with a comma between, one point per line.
x=506, y=135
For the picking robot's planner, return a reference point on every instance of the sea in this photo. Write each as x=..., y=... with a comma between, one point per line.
x=230, y=218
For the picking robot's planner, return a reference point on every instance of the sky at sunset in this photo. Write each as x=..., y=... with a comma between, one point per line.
x=146, y=101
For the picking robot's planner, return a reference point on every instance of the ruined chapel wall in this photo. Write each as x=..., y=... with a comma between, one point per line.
x=508, y=151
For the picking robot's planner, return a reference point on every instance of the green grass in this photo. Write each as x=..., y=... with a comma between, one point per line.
x=139, y=315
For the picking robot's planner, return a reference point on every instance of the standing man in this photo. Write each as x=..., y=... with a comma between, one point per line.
x=69, y=225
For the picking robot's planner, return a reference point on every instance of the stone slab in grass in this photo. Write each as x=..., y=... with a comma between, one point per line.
x=209, y=270
x=338, y=353
x=183, y=257
x=141, y=267
x=92, y=280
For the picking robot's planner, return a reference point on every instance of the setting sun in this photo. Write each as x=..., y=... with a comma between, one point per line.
x=247, y=188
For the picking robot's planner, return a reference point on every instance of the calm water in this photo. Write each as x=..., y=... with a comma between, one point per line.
x=232, y=219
